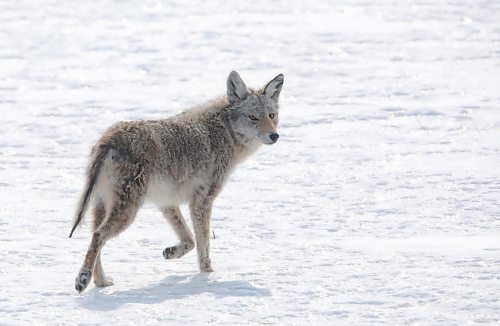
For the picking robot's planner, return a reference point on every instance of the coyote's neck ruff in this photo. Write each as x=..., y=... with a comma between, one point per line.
x=183, y=159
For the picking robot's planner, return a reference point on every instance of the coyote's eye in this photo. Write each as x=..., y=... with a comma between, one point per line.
x=271, y=115
x=252, y=117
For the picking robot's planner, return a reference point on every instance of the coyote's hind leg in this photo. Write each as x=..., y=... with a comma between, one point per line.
x=100, y=278
x=186, y=244
x=125, y=207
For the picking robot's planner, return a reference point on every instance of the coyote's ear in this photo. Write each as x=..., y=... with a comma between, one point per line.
x=273, y=89
x=236, y=88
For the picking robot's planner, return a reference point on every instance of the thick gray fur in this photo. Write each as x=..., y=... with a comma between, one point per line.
x=183, y=159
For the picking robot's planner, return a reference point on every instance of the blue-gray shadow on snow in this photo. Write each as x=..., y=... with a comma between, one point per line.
x=172, y=287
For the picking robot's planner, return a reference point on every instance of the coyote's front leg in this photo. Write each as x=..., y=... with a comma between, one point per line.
x=201, y=210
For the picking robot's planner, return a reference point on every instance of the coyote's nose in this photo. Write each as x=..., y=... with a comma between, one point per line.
x=274, y=137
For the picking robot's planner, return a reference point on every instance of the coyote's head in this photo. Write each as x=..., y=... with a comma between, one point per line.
x=254, y=113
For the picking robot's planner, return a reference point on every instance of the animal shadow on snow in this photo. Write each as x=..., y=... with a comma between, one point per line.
x=172, y=287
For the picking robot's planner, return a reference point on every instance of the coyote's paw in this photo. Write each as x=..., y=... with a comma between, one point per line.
x=177, y=251
x=170, y=252
x=107, y=281
x=207, y=270
x=83, y=279
x=206, y=267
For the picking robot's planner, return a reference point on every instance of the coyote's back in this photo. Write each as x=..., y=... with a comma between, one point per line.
x=183, y=159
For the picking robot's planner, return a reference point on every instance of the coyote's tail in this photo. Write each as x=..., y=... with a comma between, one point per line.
x=93, y=172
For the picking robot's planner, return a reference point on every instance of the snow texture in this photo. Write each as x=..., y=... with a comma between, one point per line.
x=380, y=203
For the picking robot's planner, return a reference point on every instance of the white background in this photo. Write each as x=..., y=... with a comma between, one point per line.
x=380, y=203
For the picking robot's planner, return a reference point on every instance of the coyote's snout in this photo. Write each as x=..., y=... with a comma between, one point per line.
x=183, y=159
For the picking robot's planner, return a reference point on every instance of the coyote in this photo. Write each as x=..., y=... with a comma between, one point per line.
x=183, y=159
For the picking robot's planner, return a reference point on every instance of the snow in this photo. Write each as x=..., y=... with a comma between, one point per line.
x=380, y=203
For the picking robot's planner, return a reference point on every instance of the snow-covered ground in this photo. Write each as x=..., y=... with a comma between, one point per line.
x=380, y=203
